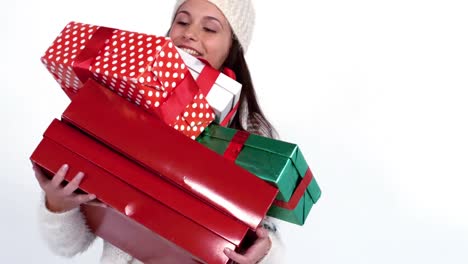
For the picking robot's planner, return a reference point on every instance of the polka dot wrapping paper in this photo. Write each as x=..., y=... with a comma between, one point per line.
x=145, y=69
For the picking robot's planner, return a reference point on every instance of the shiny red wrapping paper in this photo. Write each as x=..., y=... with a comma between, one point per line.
x=149, y=142
x=182, y=212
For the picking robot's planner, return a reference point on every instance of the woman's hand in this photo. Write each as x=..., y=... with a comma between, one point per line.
x=61, y=198
x=256, y=252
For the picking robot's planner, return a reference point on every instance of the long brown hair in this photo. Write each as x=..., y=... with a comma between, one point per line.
x=249, y=117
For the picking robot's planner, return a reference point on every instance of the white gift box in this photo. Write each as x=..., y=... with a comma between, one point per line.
x=224, y=94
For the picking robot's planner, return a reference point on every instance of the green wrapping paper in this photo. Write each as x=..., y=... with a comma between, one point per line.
x=277, y=162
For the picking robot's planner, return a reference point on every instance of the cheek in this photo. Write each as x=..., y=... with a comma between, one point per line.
x=173, y=33
x=219, y=52
x=216, y=58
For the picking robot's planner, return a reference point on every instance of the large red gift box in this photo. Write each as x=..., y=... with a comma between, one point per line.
x=163, y=218
x=144, y=69
x=140, y=200
x=186, y=163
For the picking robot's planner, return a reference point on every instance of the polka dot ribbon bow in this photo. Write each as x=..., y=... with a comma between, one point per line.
x=144, y=69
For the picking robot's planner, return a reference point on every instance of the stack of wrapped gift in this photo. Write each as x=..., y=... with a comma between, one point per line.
x=146, y=70
x=169, y=196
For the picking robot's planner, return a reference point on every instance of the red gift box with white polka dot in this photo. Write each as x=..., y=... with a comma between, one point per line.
x=144, y=69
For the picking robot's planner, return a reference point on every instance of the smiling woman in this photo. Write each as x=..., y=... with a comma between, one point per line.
x=218, y=32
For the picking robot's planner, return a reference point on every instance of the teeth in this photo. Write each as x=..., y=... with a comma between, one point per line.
x=191, y=52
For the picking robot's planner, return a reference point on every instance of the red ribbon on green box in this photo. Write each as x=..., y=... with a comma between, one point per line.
x=298, y=193
x=235, y=147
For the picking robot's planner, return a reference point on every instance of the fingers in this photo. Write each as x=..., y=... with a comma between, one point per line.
x=238, y=258
x=61, y=198
x=73, y=184
x=254, y=253
x=57, y=179
x=41, y=178
x=262, y=232
x=59, y=176
x=84, y=198
x=96, y=203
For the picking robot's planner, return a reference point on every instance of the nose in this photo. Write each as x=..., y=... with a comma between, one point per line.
x=190, y=33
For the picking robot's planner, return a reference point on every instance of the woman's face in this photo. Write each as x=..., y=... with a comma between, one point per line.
x=200, y=29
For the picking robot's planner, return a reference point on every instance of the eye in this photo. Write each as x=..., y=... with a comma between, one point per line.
x=207, y=29
x=182, y=23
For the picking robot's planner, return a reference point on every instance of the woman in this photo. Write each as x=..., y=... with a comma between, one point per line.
x=218, y=31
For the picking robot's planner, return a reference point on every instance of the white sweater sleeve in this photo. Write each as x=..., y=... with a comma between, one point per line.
x=66, y=234
x=277, y=250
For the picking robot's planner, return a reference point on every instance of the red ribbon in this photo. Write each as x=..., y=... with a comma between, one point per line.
x=236, y=145
x=298, y=193
x=232, y=152
x=87, y=55
x=176, y=103
x=207, y=78
x=178, y=100
x=229, y=73
x=231, y=113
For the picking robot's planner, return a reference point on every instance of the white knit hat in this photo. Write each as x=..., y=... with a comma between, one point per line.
x=239, y=13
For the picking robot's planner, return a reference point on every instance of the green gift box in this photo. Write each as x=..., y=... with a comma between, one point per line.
x=277, y=162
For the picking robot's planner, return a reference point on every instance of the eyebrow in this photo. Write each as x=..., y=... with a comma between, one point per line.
x=205, y=17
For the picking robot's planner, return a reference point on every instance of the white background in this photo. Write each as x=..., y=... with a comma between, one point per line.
x=373, y=92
